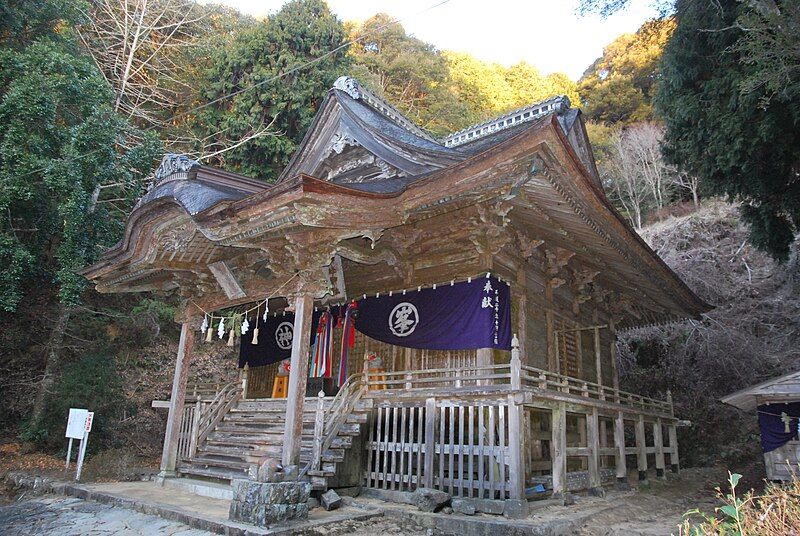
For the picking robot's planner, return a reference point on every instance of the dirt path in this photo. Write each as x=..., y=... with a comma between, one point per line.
x=659, y=509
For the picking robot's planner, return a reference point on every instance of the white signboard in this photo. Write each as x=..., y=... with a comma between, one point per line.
x=76, y=424
x=89, y=419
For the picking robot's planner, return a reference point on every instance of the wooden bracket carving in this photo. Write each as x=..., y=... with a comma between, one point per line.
x=227, y=281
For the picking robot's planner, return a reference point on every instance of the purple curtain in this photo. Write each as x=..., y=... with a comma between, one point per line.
x=462, y=316
x=773, y=424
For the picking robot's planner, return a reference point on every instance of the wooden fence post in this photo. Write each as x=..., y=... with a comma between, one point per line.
x=516, y=365
x=619, y=443
x=641, y=449
x=558, y=423
x=430, y=441
x=366, y=373
x=319, y=428
x=195, y=428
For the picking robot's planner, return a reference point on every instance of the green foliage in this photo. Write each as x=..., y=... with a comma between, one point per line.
x=775, y=512
x=489, y=89
x=736, y=144
x=618, y=87
x=93, y=383
x=256, y=131
x=60, y=146
x=408, y=72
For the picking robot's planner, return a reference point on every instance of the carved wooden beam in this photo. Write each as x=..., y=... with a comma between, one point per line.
x=227, y=281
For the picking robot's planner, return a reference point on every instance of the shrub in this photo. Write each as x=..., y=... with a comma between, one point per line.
x=775, y=512
x=91, y=382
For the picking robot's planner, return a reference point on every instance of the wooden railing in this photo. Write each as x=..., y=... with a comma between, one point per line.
x=212, y=413
x=328, y=421
x=522, y=377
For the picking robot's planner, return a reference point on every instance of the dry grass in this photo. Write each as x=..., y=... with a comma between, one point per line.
x=775, y=512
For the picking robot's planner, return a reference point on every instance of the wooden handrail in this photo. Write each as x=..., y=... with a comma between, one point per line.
x=328, y=421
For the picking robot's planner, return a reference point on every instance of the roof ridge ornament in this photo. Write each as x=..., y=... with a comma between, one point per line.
x=348, y=85
x=357, y=91
x=172, y=164
x=558, y=104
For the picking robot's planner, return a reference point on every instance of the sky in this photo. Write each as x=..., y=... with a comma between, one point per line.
x=546, y=33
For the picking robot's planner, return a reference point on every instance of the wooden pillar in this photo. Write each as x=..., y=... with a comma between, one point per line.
x=522, y=307
x=619, y=443
x=658, y=440
x=169, y=456
x=673, y=445
x=593, y=446
x=298, y=374
x=641, y=449
x=558, y=423
x=549, y=320
x=516, y=440
x=614, y=371
x=598, y=358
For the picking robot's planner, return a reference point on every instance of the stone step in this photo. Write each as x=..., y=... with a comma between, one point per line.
x=241, y=465
x=213, y=472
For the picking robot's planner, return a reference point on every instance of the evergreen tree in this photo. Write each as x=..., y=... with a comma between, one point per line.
x=256, y=130
x=727, y=133
x=70, y=169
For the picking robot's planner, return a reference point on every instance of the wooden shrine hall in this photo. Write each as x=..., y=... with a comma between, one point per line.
x=371, y=206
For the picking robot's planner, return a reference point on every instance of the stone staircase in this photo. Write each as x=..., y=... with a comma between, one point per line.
x=253, y=430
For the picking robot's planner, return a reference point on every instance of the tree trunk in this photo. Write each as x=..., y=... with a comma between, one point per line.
x=54, y=347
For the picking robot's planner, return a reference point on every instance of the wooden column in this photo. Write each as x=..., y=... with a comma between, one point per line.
x=516, y=440
x=598, y=358
x=614, y=371
x=558, y=423
x=169, y=456
x=552, y=340
x=522, y=307
x=658, y=440
x=619, y=443
x=298, y=374
x=641, y=449
x=673, y=445
x=593, y=445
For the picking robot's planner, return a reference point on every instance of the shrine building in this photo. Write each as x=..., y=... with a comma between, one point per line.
x=410, y=311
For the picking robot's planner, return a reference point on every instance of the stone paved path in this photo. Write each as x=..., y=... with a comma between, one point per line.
x=60, y=516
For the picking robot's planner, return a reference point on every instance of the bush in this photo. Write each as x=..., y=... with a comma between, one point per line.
x=92, y=383
x=776, y=512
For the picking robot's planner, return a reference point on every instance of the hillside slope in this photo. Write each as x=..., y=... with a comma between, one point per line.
x=753, y=333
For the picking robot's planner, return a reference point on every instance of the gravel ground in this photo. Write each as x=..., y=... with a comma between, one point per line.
x=75, y=517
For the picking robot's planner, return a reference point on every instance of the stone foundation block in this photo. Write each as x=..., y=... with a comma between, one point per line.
x=265, y=504
x=516, y=509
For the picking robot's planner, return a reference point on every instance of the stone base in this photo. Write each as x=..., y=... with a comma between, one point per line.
x=659, y=473
x=674, y=468
x=597, y=492
x=622, y=484
x=266, y=504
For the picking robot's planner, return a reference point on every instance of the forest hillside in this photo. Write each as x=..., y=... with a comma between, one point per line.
x=749, y=337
